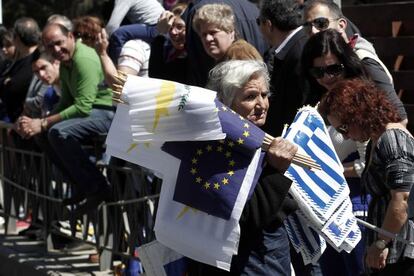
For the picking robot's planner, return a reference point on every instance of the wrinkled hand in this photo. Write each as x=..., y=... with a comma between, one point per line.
x=28, y=127
x=376, y=258
x=281, y=153
x=165, y=22
x=102, y=42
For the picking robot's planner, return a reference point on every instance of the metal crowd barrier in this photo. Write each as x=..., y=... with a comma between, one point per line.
x=32, y=186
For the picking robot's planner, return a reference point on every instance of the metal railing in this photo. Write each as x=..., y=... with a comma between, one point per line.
x=33, y=187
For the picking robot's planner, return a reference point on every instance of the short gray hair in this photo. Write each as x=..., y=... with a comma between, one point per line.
x=229, y=76
x=220, y=15
x=62, y=20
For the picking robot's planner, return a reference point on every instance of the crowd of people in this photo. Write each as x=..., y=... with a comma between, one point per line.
x=265, y=59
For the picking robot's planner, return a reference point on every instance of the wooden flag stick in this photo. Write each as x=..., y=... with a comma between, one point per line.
x=299, y=159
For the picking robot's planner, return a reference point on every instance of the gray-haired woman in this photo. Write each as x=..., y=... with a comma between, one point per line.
x=264, y=247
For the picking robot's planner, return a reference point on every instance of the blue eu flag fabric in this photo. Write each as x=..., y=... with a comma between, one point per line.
x=212, y=172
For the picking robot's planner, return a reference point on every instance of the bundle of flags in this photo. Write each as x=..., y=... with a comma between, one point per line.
x=210, y=158
x=207, y=179
x=325, y=213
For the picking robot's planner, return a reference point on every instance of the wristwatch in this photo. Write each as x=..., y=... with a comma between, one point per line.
x=381, y=244
x=43, y=124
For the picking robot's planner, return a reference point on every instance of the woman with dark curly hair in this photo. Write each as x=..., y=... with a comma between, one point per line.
x=359, y=111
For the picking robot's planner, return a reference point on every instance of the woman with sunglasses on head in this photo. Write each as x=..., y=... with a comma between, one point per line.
x=358, y=110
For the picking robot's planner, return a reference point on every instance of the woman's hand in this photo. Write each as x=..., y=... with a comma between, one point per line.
x=376, y=258
x=281, y=153
x=165, y=22
x=395, y=217
x=102, y=42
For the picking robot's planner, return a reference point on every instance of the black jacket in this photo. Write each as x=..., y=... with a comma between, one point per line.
x=288, y=85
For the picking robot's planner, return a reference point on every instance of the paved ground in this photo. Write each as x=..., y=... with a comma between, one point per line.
x=20, y=256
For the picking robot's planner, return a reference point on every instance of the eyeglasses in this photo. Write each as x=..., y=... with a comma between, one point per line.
x=320, y=23
x=343, y=129
x=332, y=70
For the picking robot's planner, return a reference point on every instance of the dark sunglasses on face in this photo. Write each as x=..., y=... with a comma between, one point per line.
x=343, y=129
x=332, y=70
x=320, y=23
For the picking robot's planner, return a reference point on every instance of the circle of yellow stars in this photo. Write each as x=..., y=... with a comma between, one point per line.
x=224, y=147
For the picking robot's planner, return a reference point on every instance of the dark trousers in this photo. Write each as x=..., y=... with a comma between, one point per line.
x=65, y=149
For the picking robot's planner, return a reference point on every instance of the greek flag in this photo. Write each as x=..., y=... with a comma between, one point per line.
x=323, y=196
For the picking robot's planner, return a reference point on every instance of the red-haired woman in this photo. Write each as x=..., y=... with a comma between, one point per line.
x=359, y=112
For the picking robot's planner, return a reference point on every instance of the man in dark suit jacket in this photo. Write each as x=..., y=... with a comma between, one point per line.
x=280, y=23
x=199, y=62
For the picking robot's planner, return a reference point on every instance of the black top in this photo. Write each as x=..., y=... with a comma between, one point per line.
x=382, y=81
x=14, y=83
x=163, y=64
x=289, y=87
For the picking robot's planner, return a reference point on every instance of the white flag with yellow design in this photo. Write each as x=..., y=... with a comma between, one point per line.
x=160, y=111
x=163, y=110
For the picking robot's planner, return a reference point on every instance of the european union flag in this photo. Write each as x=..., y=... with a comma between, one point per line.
x=212, y=172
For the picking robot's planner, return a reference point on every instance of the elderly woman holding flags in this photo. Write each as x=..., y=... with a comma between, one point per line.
x=264, y=245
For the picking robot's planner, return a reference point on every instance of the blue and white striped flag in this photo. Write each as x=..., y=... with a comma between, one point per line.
x=322, y=195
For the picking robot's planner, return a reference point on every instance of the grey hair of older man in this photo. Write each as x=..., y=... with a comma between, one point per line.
x=228, y=77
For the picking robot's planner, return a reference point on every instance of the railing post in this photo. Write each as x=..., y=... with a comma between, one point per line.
x=105, y=258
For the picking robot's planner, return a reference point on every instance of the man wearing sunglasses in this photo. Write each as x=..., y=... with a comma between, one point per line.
x=325, y=14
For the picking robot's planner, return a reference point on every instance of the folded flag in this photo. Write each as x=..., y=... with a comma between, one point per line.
x=163, y=110
x=221, y=166
x=211, y=172
x=119, y=144
x=323, y=195
x=159, y=260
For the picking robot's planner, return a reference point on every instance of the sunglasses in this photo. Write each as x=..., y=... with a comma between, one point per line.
x=332, y=70
x=343, y=129
x=320, y=23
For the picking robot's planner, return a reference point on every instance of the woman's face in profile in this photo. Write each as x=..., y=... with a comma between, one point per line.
x=251, y=101
x=327, y=70
x=348, y=131
x=8, y=50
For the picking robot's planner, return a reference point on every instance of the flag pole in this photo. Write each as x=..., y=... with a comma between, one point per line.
x=384, y=232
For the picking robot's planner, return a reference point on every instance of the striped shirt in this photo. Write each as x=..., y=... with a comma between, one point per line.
x=391, y=168
x=135, y=54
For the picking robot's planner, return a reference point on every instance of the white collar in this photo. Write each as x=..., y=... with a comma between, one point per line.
x=283, y=44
